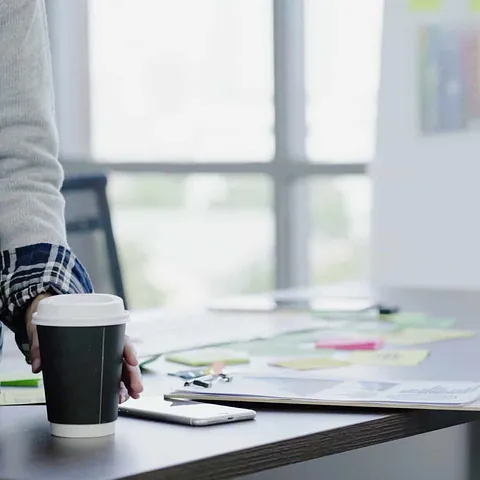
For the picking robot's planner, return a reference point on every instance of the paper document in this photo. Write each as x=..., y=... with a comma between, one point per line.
x=317, y=391
x=164, y=332
x=453, y=393
x=21, y=388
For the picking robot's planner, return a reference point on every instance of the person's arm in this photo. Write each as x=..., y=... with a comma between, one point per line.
x=34, y=259
x=31, y=206
x=30, y=271
x=34, y=254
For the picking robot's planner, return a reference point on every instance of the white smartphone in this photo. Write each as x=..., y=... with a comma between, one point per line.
x=183, y=411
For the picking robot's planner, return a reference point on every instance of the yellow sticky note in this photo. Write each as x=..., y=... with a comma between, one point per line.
x=22, y=396
x=475, y=5
x=389, y=358
x=312, y=363
x=414, y=336
x=207, y=356
x=425, y=5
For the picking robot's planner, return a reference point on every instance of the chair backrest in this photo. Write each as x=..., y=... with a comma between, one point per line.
x=90, y=233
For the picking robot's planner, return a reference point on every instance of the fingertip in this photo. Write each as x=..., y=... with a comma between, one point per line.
x=135, y=388
x=133, y=362
x=123, y=393
x=129, y=352
x=131, y=357
x=36, y=365
x=139, y=386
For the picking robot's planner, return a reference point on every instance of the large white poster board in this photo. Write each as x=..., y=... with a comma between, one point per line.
x=426, y=186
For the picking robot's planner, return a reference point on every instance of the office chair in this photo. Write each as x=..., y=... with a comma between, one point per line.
x=90, y=233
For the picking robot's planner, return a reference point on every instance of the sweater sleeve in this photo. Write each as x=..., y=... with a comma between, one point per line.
x=34, y=255
x=31, y=204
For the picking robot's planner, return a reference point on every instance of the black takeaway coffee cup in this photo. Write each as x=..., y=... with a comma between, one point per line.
x=81, y=346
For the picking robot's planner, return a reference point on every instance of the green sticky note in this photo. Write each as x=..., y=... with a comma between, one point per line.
x=417, y=336
x=312, y=363
x=425, y=5
x=269, y=349
x=475, y=5
x=370, y=327
x=208, y=356
x=299, y=337
x=419, y=320
x=283, y=346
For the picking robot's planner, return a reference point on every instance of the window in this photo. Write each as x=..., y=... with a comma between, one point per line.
x=184, y=240
x=183, y=79
x=340, y=220
x=238, y=133
x=342, y=39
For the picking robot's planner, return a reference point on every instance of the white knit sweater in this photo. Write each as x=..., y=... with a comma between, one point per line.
x=31, y=206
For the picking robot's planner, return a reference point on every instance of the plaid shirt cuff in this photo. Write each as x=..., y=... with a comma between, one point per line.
x=29, y=271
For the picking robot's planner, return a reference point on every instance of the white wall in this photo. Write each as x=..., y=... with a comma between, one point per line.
x=424, y=228
x=425, y=231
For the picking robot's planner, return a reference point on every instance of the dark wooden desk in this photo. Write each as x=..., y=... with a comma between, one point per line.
x=148, y=450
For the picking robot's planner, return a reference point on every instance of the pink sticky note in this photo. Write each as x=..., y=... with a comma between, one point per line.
x=350, y=343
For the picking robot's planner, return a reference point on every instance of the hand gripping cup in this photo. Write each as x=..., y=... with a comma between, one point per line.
x=81, y=341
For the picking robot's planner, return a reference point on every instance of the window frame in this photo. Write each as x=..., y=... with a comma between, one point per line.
x=288, y=171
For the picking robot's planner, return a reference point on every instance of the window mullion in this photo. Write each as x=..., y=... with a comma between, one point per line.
x=291, y=195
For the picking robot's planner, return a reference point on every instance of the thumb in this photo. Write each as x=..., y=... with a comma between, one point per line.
x=34, y=350
x=32, y=333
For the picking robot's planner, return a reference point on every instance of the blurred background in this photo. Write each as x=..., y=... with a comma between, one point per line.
x=223, y=132
x=253, y=145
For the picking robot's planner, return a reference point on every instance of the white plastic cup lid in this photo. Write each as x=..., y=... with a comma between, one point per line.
x=81, y=310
